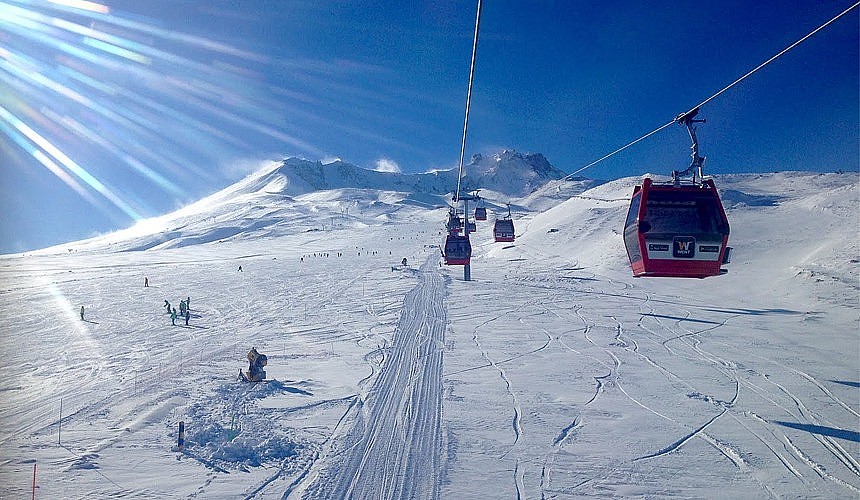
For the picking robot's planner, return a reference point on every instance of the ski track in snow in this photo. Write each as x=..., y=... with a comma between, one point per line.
x=393, y=448
x=690, y=339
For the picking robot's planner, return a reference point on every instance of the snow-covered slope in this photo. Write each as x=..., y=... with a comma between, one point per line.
x=552, y=374
x=805, y=222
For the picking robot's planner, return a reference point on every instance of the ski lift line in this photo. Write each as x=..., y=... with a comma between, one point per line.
x=727, y=87
x=468, y=101
x=762, y=65
x=622, y=148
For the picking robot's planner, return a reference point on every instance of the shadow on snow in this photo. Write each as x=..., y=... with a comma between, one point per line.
x=824, y=431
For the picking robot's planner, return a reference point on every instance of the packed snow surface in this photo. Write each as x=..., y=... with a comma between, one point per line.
x=552, y=374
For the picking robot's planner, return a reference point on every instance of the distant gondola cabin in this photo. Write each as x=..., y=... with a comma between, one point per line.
x=503, y=230
x=458, y=250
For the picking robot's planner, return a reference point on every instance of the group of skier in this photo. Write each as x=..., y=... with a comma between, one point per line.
x=184, y=310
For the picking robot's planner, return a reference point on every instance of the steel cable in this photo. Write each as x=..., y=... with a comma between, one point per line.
x=468, y=103
x=709, y=99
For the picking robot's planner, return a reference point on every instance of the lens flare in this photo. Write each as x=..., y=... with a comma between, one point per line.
x=72, y=321
x=121, y=109
x=82, y=4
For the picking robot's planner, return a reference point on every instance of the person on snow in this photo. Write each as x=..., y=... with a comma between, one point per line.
x=145, y=281
x=82, y=312
x=182, y=308
x=173, y=317
x=187, y=303
x=187, y=316
x=167, y=305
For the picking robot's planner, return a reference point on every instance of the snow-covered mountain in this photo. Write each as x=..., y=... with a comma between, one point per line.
x=302, y=195
x=508, y=173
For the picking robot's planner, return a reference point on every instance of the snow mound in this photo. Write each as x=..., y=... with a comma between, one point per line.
x=224, y=433
x=733, y=198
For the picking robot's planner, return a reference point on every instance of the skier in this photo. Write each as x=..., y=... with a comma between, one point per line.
x=187, y=303
x=82, y=312
x=182, y=308
x=187, y=316
x=167, y=305
x=145, y=282
x=240, y=269
x=173, y=317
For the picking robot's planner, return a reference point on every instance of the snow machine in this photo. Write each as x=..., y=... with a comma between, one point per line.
x=256, y=362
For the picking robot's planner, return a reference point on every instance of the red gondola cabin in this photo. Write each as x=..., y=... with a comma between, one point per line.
x=503, y=230
x=677, y=230
x=458, y=250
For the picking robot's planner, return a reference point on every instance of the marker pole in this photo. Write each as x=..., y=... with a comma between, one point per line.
x=181, y=442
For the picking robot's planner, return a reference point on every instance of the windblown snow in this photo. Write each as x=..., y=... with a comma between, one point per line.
x=552, y=374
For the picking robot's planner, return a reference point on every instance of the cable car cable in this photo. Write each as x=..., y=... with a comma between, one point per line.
x=622, y=148
x=709, y=99
x=458, y=248
x=468, y=102
x=762, y=65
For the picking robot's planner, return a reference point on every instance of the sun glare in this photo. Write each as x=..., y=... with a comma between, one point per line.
x=115, y=106
x=70, y=315
x=83, y=5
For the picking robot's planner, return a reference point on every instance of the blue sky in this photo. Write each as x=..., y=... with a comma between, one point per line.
x=119, y=110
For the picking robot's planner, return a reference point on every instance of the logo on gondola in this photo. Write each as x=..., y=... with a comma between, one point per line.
x=657, y=247
x=684, y=247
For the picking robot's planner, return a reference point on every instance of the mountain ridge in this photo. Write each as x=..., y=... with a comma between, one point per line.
x=297, y=194
x=508, y=173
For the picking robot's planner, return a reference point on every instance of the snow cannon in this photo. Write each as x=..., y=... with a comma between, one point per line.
x=256, y=362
